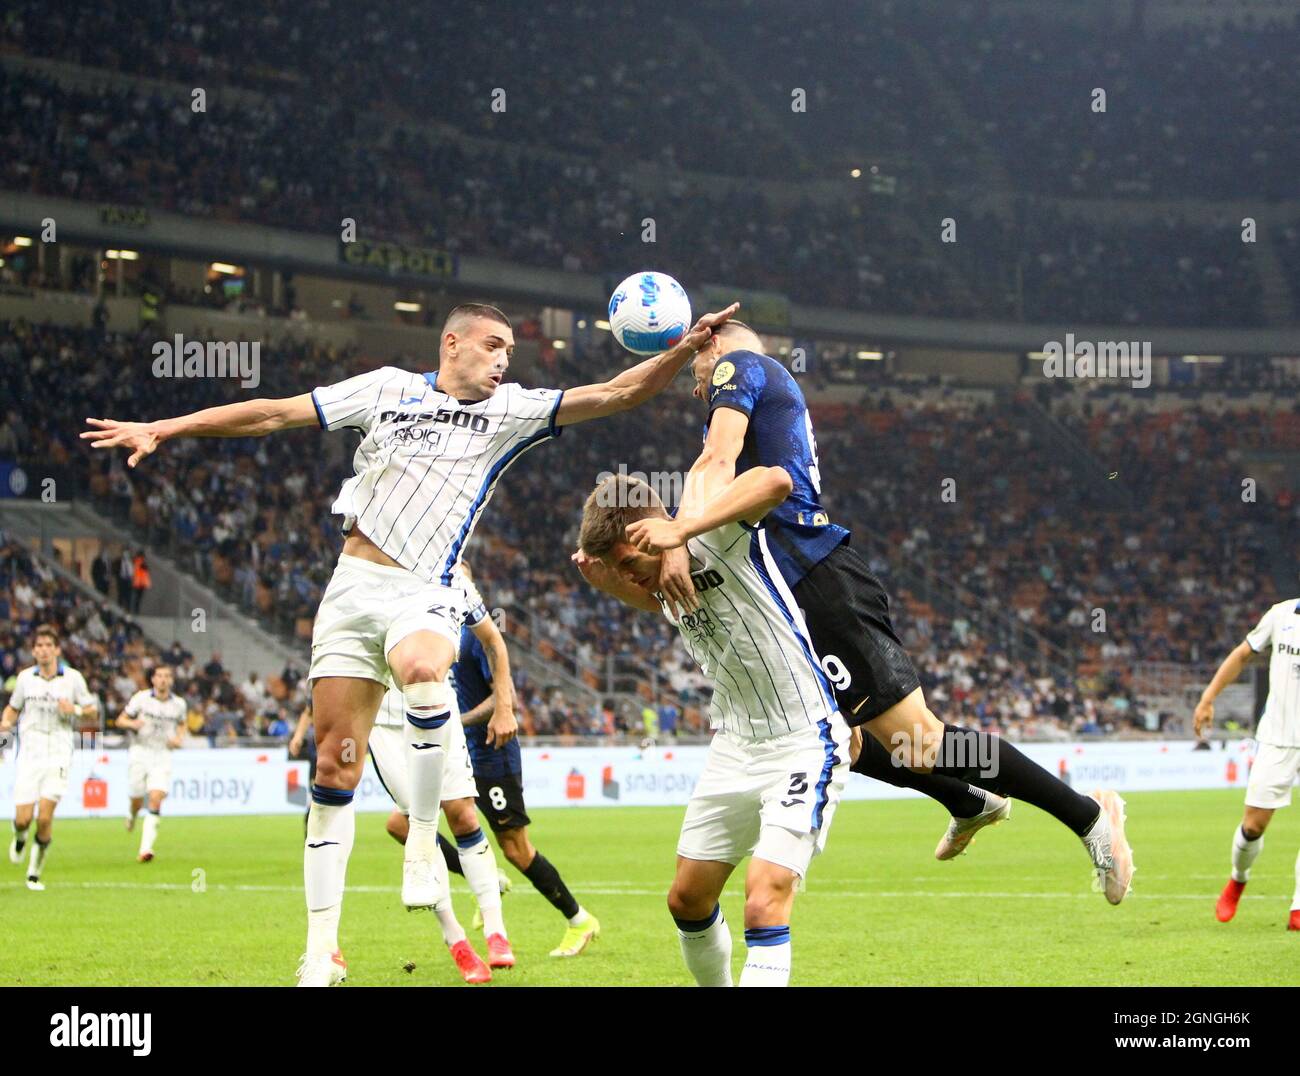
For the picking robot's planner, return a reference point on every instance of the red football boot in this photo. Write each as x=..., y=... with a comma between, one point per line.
x=472, y=968
x=500, y=955
x=1227, y=906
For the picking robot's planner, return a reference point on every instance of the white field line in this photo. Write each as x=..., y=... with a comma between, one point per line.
x=614, y=890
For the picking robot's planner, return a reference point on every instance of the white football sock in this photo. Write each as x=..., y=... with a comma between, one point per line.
x=330, y=830
x=767, y=959
x=452, y=931
x=37, y=861
x=1244, y=853
x=480, y=867
x=20, y=835
x=150, y=832
x=579, y=917
x=426, y=748
x=706, y=948
x=1295, y=900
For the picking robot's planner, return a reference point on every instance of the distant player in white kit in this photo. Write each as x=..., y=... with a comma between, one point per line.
x=156, y=721
x=46, y=703
x=1277, y=754
x=780, y=757
x=433, y=447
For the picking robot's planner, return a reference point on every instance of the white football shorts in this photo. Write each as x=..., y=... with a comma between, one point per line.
x=367, y=609
x=148, y=771
x=1272, y=775
x=773, y=799
x=38, y=776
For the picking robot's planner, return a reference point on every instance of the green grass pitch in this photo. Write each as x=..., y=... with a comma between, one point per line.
x=1016, y=910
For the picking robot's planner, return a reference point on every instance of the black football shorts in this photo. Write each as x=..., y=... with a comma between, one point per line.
x=501, y=799
x=847, y=612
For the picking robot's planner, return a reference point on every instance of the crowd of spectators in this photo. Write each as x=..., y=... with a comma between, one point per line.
x=1189, y=111
x=430, y=160
x=1042, y=263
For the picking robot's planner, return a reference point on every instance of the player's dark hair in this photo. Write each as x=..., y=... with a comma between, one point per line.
x=474, y=310
x=160, y=665
x=733, y=323
x=617, y=500
x=46, y=631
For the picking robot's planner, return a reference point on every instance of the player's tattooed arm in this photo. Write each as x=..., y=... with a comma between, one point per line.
x=1233, y=666
x=595, y=572
x=749, y=498
x=502, y=724
x=480, y=714
x=638, y=383
x=248, y=418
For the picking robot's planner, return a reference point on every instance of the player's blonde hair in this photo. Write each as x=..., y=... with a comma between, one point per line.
x=616, y=501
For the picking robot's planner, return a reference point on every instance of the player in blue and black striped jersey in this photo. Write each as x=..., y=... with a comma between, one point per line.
x=499, y=775
x=758, y=418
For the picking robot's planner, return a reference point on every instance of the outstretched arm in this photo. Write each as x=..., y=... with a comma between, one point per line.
x=1233, y=666
x=248, y=418
x=749, y=498
x=638, y=383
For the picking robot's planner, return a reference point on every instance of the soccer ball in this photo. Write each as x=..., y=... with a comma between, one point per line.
x=649, y=313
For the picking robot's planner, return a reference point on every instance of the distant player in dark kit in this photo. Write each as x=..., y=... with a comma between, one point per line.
x=499, y=775
x=758, y=418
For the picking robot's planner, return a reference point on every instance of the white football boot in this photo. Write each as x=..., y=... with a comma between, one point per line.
x=961, y=831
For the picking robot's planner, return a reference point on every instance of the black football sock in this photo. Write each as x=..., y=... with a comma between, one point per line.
x=547, y=881
x=451, y=854
x=991, y=763
x=957, y=796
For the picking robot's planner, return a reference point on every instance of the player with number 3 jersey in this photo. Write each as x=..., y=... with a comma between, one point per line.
x=779, y=758
x=758, y=418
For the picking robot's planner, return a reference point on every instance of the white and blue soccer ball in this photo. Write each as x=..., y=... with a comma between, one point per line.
x=649, y=313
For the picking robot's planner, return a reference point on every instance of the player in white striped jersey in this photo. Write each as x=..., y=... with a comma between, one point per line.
x=1277, y=740
x=155, y=720
x=779, y=758
x=47, y=701
x=433, y=447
